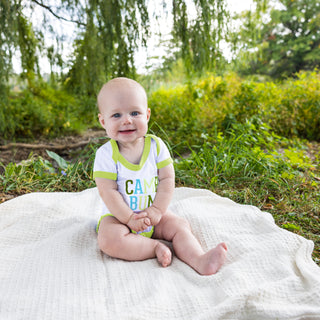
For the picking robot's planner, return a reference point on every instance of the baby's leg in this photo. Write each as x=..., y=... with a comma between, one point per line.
x=116, y=240
x=186, y=246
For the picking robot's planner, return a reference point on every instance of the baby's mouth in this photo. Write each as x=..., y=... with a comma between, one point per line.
x=127, y=131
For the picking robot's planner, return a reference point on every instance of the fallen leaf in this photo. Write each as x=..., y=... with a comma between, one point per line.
x=267, y=206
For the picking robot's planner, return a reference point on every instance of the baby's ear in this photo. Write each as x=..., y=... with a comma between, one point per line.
x=101, y=120
x=148, y=114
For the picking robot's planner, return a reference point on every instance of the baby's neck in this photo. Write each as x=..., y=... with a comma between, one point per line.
x=132, y=151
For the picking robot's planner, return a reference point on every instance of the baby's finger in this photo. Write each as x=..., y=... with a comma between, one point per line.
x=140, y=215
x=147, y=221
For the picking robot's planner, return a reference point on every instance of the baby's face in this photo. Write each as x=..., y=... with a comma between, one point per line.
x=124, y=113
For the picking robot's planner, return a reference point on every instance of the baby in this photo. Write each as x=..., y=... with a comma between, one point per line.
x=135, y=178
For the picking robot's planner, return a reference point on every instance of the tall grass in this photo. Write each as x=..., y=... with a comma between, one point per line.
x=257, y=165
x=252, y=165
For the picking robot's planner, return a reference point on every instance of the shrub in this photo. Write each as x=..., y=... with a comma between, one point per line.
x=183, y=113
x=290, y=108
x=176, y=111
x=44, y=112
x=297, y=109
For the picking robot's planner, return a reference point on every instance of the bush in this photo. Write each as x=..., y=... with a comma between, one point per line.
x=177, y=112
x=290, y=108
x=180, y=114
x=44, y=112
x=297, y=107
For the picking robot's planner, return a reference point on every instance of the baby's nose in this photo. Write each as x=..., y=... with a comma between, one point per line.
x=127, y=119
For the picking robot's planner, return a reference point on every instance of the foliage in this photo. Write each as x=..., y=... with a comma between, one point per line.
x=212, y=104
x=199, y=37
x=108, y=34
x=16, y=33
x=251, y=165
x=279, y=41
x=170, y=74
x=45, y=112
x=207, y=105
x=39, y=174
x=180, y=120
x=278, y=38
x=294, y=110
x=106, y=46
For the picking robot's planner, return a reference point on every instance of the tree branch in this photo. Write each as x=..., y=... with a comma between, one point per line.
x=55, y=15
x=45, y=146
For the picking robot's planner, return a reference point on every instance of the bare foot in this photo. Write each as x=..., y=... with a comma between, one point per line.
x=163, y=254
x=212, y=261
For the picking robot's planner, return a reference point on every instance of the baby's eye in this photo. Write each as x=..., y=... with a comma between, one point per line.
x=134, y=113
x=116, y=115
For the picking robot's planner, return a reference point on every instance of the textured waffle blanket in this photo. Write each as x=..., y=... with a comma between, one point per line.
x=51, y=266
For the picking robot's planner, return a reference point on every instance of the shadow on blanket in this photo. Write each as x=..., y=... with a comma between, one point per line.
x=51, y=267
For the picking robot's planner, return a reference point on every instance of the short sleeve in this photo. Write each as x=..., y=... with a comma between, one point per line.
x=104, y=166
x=163, y=154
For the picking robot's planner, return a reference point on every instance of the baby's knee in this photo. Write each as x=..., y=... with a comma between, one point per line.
x=107, y=244
x=182, y=223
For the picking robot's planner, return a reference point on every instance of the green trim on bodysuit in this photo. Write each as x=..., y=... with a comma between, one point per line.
x=117, y=156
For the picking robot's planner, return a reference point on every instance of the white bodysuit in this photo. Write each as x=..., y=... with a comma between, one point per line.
x=137, y=183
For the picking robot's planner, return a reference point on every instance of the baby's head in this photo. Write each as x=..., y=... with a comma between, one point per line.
x=123, y=109
x=119, y=88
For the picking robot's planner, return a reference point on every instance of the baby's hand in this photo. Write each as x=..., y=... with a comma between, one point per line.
x=154, y=215
x=139, y=222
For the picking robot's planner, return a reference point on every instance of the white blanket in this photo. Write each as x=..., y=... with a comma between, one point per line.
x=51, y=267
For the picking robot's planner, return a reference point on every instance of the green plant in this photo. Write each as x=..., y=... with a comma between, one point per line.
x=252, y=165
x=39, y=174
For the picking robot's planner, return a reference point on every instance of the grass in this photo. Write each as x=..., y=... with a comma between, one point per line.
x=38, y=174
x=248, y=163
x=252, y=165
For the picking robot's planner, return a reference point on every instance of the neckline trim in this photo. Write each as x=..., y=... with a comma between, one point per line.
x=117, y=156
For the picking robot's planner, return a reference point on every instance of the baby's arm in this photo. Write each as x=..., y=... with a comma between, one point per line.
x=108, y=190
x=163, y=196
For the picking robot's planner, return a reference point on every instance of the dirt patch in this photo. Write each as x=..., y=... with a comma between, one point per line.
x=64, y=146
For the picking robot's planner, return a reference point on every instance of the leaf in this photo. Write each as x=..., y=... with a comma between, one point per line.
x=267, y=206
x=63, y=164
x=291, y=227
